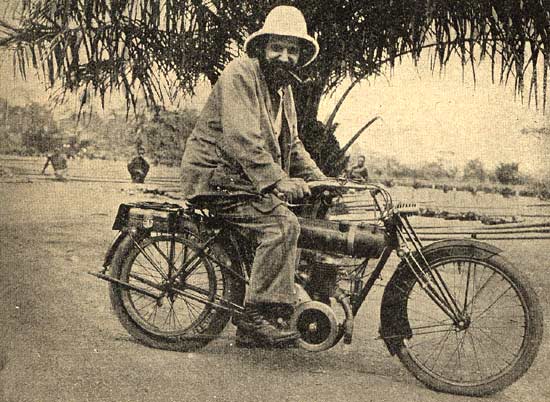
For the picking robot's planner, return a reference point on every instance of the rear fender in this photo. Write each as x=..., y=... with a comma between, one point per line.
x=114, y=245
x=111, y=251
x=394, y=323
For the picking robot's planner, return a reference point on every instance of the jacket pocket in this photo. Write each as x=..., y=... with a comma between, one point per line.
x=226, y=179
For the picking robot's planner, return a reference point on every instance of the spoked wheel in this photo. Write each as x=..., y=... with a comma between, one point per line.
x=493, y=341
x=176, y=296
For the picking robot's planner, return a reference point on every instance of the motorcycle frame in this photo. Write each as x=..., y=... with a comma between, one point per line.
x=401, y=237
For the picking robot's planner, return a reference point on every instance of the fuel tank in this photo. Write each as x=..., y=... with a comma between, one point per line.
x=356, y=240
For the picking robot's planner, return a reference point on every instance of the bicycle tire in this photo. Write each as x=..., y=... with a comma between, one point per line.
x=496, y=363
x=130, y=265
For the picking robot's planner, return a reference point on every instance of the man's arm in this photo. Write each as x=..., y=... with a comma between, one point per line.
x=131, y=165
x=365, y=173
x=302, y=165
x=145, y=166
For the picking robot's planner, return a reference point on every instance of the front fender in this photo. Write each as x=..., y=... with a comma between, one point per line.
x=394, y=323
x=463, y=247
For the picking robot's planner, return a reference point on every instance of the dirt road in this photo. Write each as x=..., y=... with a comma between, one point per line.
x=59, y=340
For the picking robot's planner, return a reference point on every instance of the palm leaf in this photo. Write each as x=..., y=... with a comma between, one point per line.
x=156, y=50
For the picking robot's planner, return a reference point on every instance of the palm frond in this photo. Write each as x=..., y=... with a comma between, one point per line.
x=156, y=49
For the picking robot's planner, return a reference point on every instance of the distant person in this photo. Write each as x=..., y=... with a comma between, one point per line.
x=58, y=160
x=359, y=173
x=138, y=166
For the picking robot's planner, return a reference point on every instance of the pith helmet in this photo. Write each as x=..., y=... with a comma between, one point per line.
x=285, y=21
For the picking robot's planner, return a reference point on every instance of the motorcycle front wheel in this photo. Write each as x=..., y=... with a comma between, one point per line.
x=188, y=315
x=491, y=347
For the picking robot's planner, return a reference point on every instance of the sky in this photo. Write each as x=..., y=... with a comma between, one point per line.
x=424, y=117
x=430, y=117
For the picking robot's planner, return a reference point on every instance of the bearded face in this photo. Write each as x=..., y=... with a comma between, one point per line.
x=281, y=58
x=278, y=74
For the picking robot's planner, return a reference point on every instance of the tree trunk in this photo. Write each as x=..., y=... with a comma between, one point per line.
x=318, y=139
x=308, y=98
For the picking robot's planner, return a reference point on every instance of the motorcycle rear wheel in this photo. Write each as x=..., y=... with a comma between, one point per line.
x=490, y=351
x=179, y=321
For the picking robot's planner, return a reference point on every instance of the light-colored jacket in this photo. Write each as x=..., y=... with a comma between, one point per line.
x=233, y=147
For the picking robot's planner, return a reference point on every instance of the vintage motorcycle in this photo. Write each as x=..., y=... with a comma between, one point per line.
x=459, y=316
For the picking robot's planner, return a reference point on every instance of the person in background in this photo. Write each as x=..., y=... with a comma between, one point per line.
x=244, y=159
x=359, y=172
x=58, y=160
x=138, y=167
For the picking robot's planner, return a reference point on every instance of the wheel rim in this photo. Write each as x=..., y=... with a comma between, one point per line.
x=489, y=340
x=178, y=313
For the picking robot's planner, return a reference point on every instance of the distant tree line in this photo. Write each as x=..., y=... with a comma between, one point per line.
x=504, y=173
x=27, y=129
x=33, y=130
x=474, y=170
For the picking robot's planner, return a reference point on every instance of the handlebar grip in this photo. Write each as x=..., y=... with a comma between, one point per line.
x=320, y=183
x=334, y=184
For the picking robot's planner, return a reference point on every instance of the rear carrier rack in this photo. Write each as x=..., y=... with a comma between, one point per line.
x=155, y=216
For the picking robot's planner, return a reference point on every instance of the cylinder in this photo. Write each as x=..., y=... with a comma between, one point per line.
x=342, y=238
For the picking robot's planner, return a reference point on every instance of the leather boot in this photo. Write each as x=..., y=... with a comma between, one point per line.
x=255, y=330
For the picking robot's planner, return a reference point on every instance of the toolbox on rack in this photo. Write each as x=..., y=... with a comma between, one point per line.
x=155, y=216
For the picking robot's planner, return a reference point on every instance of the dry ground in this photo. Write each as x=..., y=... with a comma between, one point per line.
x=59, y=340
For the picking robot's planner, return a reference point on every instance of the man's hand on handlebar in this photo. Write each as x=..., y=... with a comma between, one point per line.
x=291, y=189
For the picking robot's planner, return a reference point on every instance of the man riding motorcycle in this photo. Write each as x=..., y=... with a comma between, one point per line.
x=244, y=159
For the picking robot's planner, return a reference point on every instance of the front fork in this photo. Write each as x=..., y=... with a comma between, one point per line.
x=410, y=250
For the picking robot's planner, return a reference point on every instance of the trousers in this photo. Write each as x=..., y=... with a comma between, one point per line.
x=273, y=230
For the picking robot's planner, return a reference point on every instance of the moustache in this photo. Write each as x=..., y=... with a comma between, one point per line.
x=283, y=72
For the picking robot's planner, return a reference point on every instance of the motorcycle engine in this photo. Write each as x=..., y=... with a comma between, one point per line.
x=318, y=274
x=319, y=315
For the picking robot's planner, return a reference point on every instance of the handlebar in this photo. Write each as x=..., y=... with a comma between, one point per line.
x=331, y=187
x=381, y=196
x=334, y=184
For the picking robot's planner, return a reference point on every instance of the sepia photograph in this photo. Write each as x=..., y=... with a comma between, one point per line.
x=280, y=201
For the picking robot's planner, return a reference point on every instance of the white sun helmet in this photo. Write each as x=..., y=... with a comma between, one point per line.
x=286, y=21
